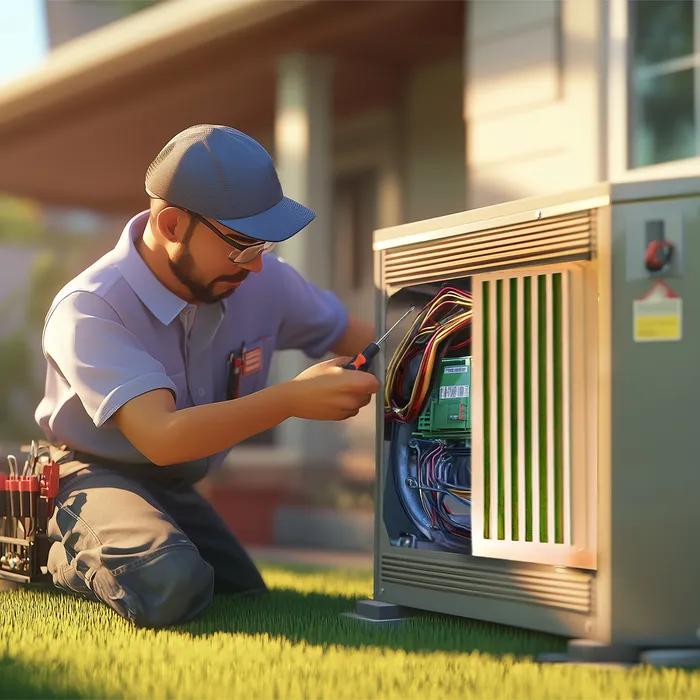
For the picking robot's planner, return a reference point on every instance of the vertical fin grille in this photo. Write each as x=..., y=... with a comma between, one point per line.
x=523, y=505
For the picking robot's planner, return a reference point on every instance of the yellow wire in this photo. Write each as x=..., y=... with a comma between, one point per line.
x=426, y=365
x=417, y=332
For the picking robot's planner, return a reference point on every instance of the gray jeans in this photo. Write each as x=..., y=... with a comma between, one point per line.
x=154, y=551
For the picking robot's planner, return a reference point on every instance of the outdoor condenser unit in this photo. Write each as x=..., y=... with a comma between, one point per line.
x=570, y=430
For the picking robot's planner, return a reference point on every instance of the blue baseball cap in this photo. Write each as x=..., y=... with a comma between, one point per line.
x=224, y=174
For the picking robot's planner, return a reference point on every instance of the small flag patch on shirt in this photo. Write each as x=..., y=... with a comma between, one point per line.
x=252, y=360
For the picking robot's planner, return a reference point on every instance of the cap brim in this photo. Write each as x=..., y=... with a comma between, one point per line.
x=275, y=224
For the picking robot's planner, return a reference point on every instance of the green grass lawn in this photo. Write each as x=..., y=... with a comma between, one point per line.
x=293, y=644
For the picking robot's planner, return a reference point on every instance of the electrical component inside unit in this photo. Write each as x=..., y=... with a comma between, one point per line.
x=428, y=398
x=442, y=328
x=447, y=413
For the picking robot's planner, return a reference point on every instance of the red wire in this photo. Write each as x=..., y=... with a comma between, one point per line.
x=421, y=389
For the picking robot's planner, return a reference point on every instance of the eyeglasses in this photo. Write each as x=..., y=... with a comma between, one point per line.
x=242, y=253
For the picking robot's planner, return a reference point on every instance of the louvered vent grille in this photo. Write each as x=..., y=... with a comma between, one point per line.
x=565, y=590
x=525, y=426
x=532, y=468
x=557, y=238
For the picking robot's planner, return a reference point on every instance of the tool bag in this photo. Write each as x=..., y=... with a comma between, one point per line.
x=26, y=505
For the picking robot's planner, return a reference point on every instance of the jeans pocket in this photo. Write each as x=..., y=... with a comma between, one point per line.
x=67, y=527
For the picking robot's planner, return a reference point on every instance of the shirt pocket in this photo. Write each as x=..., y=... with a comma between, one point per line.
x=257, y=365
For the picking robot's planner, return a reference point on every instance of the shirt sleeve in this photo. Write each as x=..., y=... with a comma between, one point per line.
x=103, y=362
x=312, y=319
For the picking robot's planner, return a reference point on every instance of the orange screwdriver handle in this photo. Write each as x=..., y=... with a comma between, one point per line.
x=358, y=362
x=363, y=360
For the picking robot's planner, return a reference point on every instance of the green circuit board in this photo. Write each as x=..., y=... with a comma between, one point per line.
x=447, y=413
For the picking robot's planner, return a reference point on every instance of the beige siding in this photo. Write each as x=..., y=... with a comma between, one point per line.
x=434, y=167
x=497, y=18
x=532, y=98
x=514, y=71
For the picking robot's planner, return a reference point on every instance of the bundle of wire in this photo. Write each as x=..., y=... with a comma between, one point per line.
x=443, y=325
x=439, y=494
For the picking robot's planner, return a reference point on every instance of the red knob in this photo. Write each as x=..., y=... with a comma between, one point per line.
x=658, y=255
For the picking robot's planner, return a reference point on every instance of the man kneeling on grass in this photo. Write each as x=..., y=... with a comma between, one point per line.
x=157, y=356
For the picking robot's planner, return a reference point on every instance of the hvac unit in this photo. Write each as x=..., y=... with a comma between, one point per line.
x=538, y=445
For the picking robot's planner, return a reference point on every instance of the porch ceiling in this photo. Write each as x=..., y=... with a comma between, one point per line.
x=82, y=129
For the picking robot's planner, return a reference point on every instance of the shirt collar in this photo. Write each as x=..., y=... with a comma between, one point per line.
x=160, y=301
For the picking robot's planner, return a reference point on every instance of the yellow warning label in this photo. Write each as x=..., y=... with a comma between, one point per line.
x=658, y=328
x=658, y=320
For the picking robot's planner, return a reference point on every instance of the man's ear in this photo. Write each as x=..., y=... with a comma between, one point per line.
x=172, y=223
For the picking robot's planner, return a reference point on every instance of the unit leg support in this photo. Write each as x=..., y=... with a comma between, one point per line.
x=379, y=611
x=587, y=651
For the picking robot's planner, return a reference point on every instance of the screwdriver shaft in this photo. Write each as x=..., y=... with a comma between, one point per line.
x=378, y=342
x=363, y=360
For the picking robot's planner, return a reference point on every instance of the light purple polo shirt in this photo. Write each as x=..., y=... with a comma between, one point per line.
x=115, y=332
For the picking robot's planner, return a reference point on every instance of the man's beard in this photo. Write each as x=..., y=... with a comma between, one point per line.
x=182, y=269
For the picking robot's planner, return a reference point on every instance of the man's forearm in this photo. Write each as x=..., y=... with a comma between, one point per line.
x=200, y=431
x=357, y=336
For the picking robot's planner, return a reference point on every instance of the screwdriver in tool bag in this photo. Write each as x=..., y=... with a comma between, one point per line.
x=49, y=486
x=362, y=361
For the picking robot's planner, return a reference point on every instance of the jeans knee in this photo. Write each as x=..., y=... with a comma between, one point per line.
x=172, y=586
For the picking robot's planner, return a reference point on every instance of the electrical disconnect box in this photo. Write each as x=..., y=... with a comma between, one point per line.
x=536, y=440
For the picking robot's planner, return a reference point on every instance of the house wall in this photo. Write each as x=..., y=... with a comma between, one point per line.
x=533, y=98
x=434, y=169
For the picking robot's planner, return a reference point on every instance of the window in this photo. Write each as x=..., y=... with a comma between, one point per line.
x=664, y=81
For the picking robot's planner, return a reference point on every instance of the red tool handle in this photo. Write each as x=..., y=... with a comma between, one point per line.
x=12, y=485
x=49, y=485
x=4, y=498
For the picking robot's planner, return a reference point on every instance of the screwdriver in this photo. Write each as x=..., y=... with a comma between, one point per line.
x=362, y=361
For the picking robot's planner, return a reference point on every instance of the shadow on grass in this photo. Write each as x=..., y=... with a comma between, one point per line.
x=316, y=619
x=20, y=681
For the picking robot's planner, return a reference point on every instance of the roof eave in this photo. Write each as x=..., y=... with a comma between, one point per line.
x=127, y=46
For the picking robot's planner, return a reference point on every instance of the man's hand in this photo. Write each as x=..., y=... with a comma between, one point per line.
x=326, y=391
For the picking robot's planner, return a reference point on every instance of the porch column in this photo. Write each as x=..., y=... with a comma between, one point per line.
x=303, y=123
